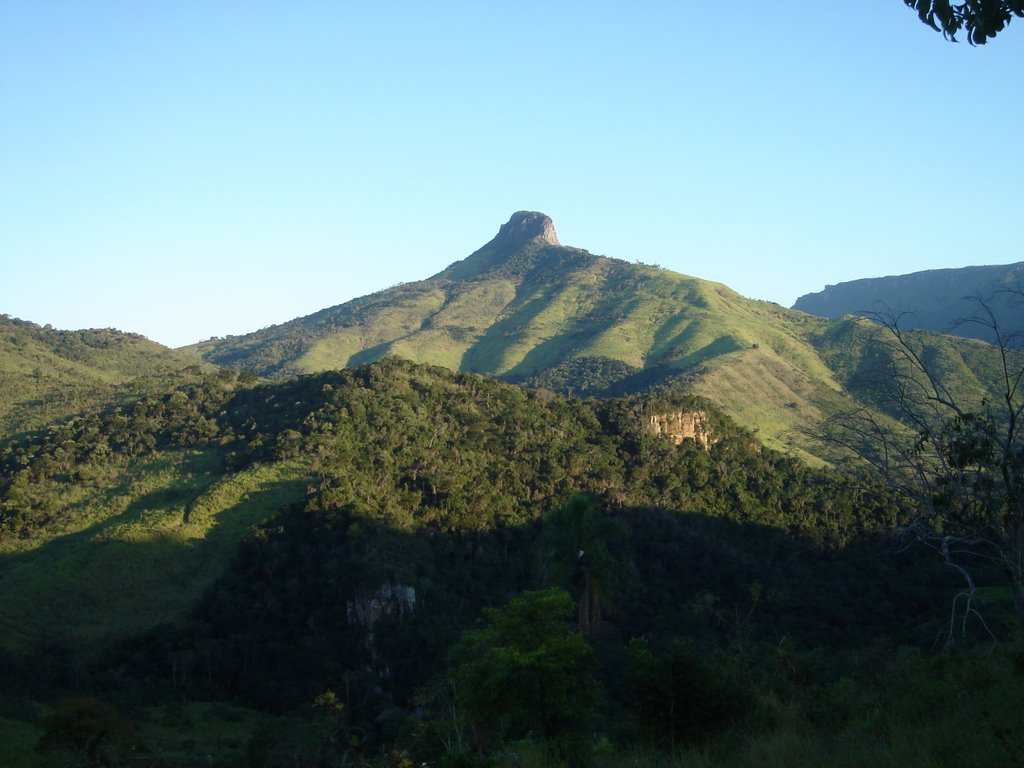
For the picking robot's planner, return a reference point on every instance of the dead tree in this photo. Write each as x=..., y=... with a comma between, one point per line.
x=959, y=457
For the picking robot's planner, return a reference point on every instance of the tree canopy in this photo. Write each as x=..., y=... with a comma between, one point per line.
x=526, y=670
x=981, y=19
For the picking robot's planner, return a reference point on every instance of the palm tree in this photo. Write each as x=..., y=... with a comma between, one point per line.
x=579, y=544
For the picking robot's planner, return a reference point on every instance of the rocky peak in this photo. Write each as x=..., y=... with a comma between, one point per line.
x=516, y=249
x=525, y=226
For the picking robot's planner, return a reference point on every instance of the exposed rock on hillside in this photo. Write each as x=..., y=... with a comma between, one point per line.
x=525, y=226
x=682, y=425
x=391, y=600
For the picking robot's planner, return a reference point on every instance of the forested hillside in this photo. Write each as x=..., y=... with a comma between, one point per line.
x=396, y=562
x=526, y=309
x=349, y=552
x=47, y=374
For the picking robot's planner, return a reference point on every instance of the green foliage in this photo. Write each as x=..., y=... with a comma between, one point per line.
x=244, y=525
x=593, y=377
x=46, y=374
x=956, y=452
x=983, y=19
x=376, y=454
x=525, y=672
x=584, y=548
x=320, y=738
x=681, y=696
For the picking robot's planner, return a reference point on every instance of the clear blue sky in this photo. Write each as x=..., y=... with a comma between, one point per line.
x=195, y=169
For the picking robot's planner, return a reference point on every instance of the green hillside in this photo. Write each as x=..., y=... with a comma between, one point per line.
x=528, y=310
x=387, y=553
x=116, y=522
x=226, y=542
x=48, y=374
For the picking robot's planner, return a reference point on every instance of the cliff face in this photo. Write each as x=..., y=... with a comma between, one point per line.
x=391, y=600
x=682, y=425
x=525, y=226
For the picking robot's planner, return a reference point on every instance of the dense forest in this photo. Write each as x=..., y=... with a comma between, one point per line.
x=398, y=565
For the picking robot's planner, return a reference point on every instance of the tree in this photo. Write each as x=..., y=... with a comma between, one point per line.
x=579, y=545
x=959, y=457
x=679, y=695
x=525, y=672
x=982, y=19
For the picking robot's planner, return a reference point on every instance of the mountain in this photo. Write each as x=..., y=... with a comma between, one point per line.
x=526, y=309
x=936, y=300
x=517, y=307
x=48, y=374
x=315, y=549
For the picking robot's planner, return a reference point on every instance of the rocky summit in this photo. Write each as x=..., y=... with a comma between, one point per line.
x=525, y=226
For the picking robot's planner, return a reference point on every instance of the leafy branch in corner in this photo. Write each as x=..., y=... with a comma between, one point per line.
x=981, y=19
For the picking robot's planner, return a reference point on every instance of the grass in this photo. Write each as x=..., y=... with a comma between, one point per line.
x=47, y=374
x=535, y=329
x=191, y=733
x=521, y=314
x=136, y=562
x=766, y=393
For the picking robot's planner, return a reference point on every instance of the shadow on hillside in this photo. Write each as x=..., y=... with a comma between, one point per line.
x=278, y=626
x=485, y=355
x=268, y=619
x=124, y=574
x=371, y=354
x=152, y=507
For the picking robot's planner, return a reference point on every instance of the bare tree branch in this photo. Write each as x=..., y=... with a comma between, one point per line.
x=960, y=458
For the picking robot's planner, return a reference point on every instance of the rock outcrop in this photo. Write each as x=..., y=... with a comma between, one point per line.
x=391, y=600
x=682, y=425
x=525, y=226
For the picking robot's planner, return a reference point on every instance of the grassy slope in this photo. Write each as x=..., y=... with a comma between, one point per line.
x=853, y=348
x=130, y=560
x=46, y=374
x=522, y=313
